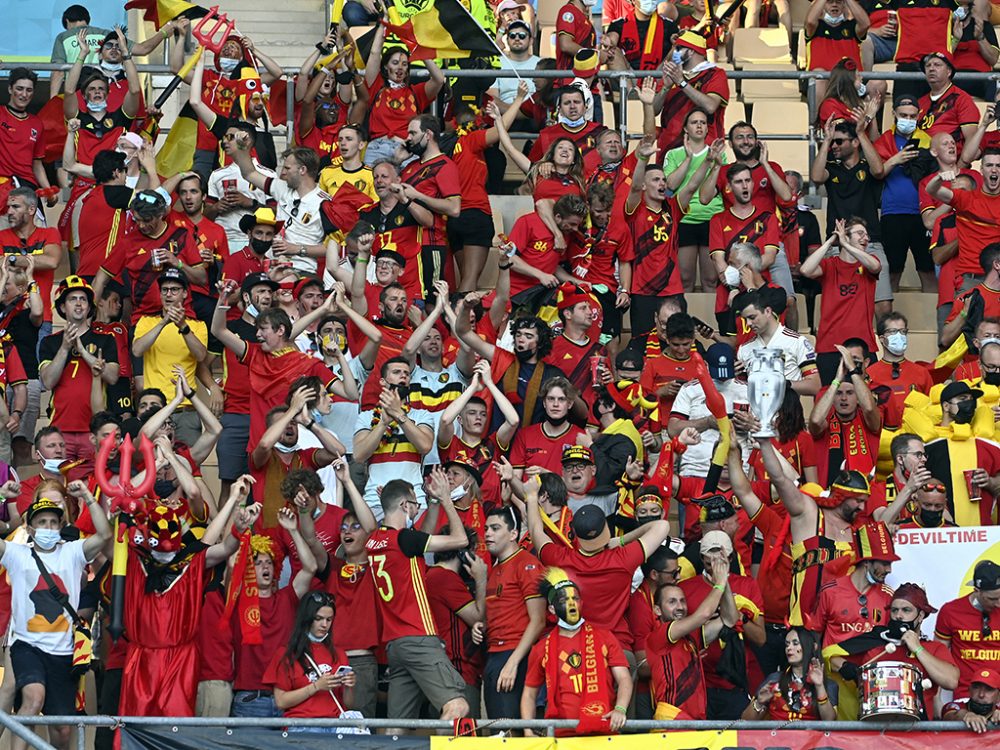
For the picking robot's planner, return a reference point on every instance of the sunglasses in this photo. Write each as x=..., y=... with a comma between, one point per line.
x=350, y=527
x=986, y=631
x=863, y=601
x=320, y=598
x=295, y=207
x=933, y=487
x=517, y=35
x=838, y=141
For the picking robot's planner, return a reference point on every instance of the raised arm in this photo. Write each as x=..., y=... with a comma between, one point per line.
x=456, y=538
x=796, y=502
x=229, y=339
x=92, y=545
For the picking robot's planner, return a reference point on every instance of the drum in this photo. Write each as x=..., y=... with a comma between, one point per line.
x=890, y=691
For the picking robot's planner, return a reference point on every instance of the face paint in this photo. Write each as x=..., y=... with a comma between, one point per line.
x=567, y=609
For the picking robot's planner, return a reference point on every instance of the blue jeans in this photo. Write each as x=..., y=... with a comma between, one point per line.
x=356, y=15
x=254, y=704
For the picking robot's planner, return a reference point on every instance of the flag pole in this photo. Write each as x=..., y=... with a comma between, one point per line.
x=492, y=40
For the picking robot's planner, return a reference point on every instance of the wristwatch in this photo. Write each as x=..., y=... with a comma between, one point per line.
x=682, y=84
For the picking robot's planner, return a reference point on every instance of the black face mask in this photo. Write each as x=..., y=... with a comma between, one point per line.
x=982, y=709
x=399, y=388
x=966, y=410
x=931, y=519
x=991, y=378
x=524, y=355
x=260, y=246
x=557, y=422
x=896, y=629
x=164, y=488
x=417, y=149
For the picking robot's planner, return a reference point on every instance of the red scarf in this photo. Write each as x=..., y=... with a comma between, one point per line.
x=243, y=587
x=648, y=51
x=596, y=699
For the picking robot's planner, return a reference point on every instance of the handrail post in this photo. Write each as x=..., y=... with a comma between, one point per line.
x=810, y=129
x=21, y=731
x=623, y=111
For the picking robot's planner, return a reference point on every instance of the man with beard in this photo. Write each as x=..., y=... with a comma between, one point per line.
x=578, y=473
x=231, y=197
x=969, y=465
x=982, y=706
x=41, y=650
x=429, y=187
x=210, y=239
x=25, y=238
x=821, y=529
x=515, y=612
x=893, y=496
x=391, y=437
x=970, y=626
x=540, y=445
x=846, y=422
x=767, y=176
x=854, y=604
x=590, y=659
x=522, y=373
x=673, y=647
x=517, y=57
x=395, y=331
x=977, y=213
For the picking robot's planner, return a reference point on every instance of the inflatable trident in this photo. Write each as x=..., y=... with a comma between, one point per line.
x=127, y=501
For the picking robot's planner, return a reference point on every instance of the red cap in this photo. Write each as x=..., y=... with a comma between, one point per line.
x=988, y=677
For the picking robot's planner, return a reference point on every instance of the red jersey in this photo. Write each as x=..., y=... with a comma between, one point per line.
x=573, y=359
x=845, y=612
x=566, y=698
x=659, y=371
x=833, y=107
x=394, y=338
x=215, y=644
x=288, y=676
x=981, y=295
x=34, y=244
x=327, y=525
x=207, y=236
x=762, y=195
x=924, y=26
x=448, y=596
x=760, y=228
x=604, y=579
x=468, y=158
x=750, y=605
x=271, y=375
x=847, y=443
x=961, y=625
x=776, y=581
x=676, y=106
x=21, y=143
x=555, y=187
x=512, y=581
x=614, y=174
x=219, y=93
x=69, y=409
x=901, y=378
x=483, y=455
x=242, y=263
x=847, y=304
x=536, y=247
x=677, y=674
x=397, y=230
x=396, y=562
x=654, y=242
x=978, y=224
x=392, y=109
x=606, y=247
x=576, y=24
x=929, y=202
x=532, y=446
x=277, y=618
x=585, y=139
x=436, y=178
x=353, y=590
x=947, y=113
x=944, y=232
x=100, y=225
x=829, y=44
x=134, y=253
x=96, y=135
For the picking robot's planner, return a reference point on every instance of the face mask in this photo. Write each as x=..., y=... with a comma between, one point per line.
x=862, y=89
x=163, y=558
x=458, y=493
x=96, y=106
x=111, y=67
x=833, y=20
x=47, y=538
x=868, y=576
x=731, y=276
x=409, y=522
x=128, y=159
x=567, y=626
x=896, y=629
x=558, y=422
x=317, y=415
x=896, y=343
x=260, y=246
x=931, y=519
x=52, y=465
x=961, y=12
x=590, y=3
x=983, y=709
x=991, y=378
x=252, y=309
x=316, y=638
x=905, y=126
x=577, y=123
x=523, y=355
x=966, y=410
x=417, y=149
x=648, y=6
x=282, y=448
x=164, y=488
x=228, y=64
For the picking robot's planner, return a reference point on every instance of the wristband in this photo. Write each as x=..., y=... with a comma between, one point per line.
x=719, y=586
x=18, y=412
x=311, y=424
x=323, y=48
x=835, y=384
x=622, y=709
x=821, y=701
x=920, y=649
x=506, y=267
x=362, y=260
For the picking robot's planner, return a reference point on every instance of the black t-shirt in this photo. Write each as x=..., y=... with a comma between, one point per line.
x=852, y=191
x=23, y=336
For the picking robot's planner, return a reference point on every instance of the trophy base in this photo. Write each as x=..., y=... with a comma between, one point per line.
x=769, y=433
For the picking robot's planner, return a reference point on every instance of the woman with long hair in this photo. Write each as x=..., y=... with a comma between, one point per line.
x=559, y=173
x=692, y=238
x=847, y=97
x=312, y=678
x=793, y=442
x=800, y=690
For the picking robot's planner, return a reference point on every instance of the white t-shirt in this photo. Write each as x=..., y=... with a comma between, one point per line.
x=381, y=473
x=796, y=351
x=690, y=404
x=507, y=87
x=36, y=617
x=435, y=383
x=303, y=223
x=218, y=181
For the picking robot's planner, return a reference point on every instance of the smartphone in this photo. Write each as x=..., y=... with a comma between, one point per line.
x=342, y=670
x=701, y=323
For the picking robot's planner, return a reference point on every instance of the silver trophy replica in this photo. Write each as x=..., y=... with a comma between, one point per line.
x=766, y=388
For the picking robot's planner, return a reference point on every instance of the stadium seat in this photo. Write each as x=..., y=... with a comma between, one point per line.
x=735, y=112
x=506, y=209
x=760, y=46
x=753, y=90
x=547, y=12
x=800, y=9
x=547, y=41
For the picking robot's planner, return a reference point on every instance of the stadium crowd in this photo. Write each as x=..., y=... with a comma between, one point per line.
x=550, y=497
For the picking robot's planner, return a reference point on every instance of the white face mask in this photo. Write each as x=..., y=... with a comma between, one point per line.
x=648, y=6
x=566, y=626
x=862, y=89
x=282, y=448
x=97, y=106
x=47, y=538
x=163, y=558
x=52, y=465
x=905, y=126
x=316, y=638
x=896, y=343
x=731, y=276
x=458, y=493
x=590, y=3
x=228, y=64
x=833, y=20
x=573, y=123
x=252, y=310
x=111, y=67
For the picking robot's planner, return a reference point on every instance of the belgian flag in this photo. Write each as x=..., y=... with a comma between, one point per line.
x=159, y=12
x=440, y=29
x=177, y=152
